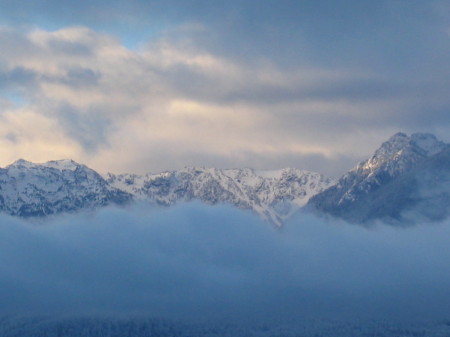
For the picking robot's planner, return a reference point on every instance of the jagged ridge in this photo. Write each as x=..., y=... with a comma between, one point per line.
x=28, y=189
x=274, y=195
x=406, y=174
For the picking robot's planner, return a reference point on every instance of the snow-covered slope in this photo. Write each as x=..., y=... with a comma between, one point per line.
x=384, y=185
x=399, y=154
x=274, y=195
x=28, y=189
x=406, y=174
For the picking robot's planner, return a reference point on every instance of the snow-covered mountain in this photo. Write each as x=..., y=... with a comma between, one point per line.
x=28, y=189
x=395, y=181
x=273, y=195
x=408, y=177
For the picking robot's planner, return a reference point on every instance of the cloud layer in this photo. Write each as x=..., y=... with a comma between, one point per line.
x=194, y=261
x=78, y=93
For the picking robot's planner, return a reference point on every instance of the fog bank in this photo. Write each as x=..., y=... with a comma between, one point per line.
x=196, y=261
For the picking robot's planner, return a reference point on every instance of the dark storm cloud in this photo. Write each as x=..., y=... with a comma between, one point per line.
x=205, y=262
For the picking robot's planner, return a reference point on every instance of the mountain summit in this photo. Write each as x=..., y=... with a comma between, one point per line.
x=29, y=189
x=400, y=153
x=406, y=180
x=273, y=195
x=390, y=184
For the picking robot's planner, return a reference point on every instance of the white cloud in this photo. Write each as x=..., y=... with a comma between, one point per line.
x=27, y=134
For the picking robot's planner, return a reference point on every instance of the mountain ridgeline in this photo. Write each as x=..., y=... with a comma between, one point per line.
x=405, y=181
x=36, y=190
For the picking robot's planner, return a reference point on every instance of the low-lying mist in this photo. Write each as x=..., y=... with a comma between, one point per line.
x=203, y=262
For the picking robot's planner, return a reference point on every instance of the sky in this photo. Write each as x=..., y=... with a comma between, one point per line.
x=197, y=262
x=146, y=86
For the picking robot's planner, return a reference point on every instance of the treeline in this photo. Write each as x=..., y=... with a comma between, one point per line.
x=144, y=327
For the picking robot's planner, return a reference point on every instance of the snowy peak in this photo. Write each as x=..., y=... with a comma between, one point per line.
x=30, y=189
x=385, y=185
x=387, y=151
x=64, y=164
x=400, y=152
x=389, y=182
x=273, y=195
x=428, y=143
x=21, y=163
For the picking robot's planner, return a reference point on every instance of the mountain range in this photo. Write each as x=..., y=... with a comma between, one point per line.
x=35, y=190
x=406, y=180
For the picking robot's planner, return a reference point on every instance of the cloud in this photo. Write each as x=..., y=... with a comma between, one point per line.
x=26, y=133
x=178, y=98
x=195, y=261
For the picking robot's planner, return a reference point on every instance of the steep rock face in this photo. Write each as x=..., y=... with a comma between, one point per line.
x=274, y=195
x=28, y=189
x=386, y=185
